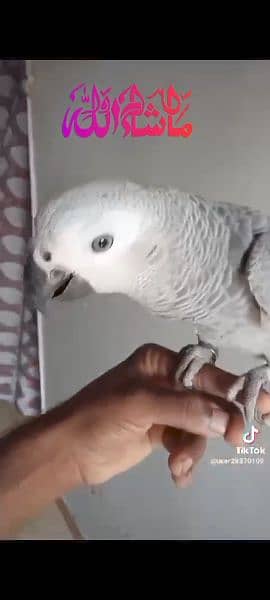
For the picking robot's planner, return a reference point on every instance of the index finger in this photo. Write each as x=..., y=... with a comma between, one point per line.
x=158, y=362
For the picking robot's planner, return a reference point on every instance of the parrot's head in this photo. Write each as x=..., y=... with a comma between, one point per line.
x=98, y=237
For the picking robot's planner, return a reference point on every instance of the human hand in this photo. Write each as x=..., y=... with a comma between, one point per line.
x=111, y=425
x=129, y=411
x=135, y=407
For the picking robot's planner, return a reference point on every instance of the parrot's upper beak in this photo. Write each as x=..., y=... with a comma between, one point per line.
x=40, y=289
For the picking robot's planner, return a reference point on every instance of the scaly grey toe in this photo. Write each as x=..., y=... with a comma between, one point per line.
x=245, y=392
x=191, y=360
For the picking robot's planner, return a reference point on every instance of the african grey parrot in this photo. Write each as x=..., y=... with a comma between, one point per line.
x=178, y=255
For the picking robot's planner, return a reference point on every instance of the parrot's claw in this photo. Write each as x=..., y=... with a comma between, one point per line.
x=191, y=360
x=245, y=392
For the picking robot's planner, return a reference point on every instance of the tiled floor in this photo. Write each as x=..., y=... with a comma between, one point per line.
x=51, y=525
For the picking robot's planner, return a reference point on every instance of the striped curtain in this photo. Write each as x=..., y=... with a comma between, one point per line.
x=19, y=368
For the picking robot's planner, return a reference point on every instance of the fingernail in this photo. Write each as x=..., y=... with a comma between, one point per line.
x=185, y=481
x=178, y=469
x=219, y=422
x=182, y=467
x=186, y=465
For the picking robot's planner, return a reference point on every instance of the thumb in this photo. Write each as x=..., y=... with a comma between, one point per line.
x=191, y=411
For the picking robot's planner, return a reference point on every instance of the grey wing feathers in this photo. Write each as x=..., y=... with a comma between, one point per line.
x=249, y=247
x=258, y=271
x=244, y=221
x=250, y=232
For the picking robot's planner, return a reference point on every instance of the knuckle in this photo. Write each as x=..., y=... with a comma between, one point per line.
x=143, y=351
x=151, y=359
x=187, y=409
x=143, y=354
x=194, y=409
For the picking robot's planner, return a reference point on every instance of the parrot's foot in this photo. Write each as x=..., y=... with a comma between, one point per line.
x=191, y=360
x=245, y=392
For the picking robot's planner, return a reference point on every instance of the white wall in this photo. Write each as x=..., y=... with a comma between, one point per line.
x=227, y=158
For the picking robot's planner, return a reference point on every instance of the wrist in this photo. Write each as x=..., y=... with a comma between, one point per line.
x=37, y=465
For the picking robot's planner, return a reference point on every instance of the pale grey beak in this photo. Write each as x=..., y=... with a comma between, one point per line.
x=40, y=289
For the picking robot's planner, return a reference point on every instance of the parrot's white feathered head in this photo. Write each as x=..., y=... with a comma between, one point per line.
x=99, y=236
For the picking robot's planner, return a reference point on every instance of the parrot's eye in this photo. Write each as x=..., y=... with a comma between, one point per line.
x=47, y=256
x=102, y=243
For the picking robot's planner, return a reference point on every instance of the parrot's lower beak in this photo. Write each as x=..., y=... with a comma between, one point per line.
x=63, y=286
x=40, y=289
